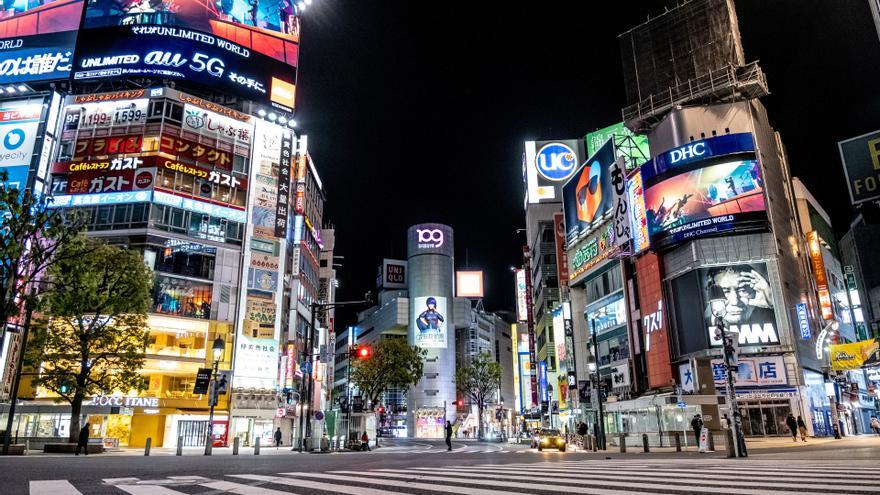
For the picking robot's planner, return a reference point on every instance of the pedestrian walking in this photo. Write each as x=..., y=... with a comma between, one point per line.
x=697, y=426
x=83, y=441
x=448, y=436
x=802, y=428
x=365, y=442
x=278, y=438
x=875, y=424
x=792, y=426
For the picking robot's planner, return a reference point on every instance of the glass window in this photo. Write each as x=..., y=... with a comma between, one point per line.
x=187, y=258
x=178, y=297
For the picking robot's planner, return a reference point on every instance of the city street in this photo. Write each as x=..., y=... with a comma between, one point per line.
x=472, y=468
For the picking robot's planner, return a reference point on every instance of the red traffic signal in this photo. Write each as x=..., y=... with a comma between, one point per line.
x=364, y=352
x=460, y=403
x=381, y=409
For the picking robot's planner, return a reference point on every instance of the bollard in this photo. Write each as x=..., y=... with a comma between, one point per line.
x=594, y=441
x=147, y=446
x=622, y=437
x=729, y=438
x=645, y=446
x=180, y=445
x=711, y=439
x=209, y=444
x=27, y=446
x=257, y=446
x=677, y=442
x=235, y=442
x=588, y=442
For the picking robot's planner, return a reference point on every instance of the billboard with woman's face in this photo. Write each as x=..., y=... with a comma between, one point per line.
x=431, y=320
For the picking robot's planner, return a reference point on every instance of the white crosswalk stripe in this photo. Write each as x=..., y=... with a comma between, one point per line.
x=576, y=476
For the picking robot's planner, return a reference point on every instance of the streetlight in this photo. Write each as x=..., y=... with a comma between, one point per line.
x=718, y=305
x=214, y=390
x=593, y=363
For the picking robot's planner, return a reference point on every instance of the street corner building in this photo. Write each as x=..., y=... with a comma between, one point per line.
x=635, y=229
x=174, y=133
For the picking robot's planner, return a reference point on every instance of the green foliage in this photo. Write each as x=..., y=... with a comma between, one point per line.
x=96, y=335
x=479, y=380
x=394, y=363
x=31, y=238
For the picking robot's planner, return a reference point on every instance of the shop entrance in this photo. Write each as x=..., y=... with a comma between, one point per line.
x=193, y=433
x=765, y=418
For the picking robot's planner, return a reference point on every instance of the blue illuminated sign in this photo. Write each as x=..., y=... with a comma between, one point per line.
x=803, y=321
x=213, y=210
x=542, y=381
x=17, y=176
x=556, y=161
x=697, y=151
x=74, y=200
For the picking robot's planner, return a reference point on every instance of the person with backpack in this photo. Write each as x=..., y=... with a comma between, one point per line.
x=697, y=426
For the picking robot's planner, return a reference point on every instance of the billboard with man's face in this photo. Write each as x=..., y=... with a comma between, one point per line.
x=431, y=322
x=749, y=303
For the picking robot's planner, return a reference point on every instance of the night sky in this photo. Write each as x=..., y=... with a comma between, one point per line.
x=417, y=111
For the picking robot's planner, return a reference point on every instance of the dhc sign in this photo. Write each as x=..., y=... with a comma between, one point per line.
x=687, y=152
x=697, y=151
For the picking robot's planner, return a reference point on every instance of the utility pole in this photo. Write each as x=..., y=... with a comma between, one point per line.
x=19, y=364
x=600, y=420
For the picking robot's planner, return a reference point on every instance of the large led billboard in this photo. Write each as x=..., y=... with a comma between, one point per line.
x=702, y=189
x=431, y=322
x=269, y=27
x=588, y=195
x=861, y=162
x=633, y=148
x=37, y=39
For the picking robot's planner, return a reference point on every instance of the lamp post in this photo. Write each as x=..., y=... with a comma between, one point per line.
x=600, y=420
x=718, y=305
x=214, y=390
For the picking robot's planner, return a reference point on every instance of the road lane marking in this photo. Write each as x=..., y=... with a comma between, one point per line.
x=351, y=490
x=412, y=485
x=53, y=487
x=148, y=490
x=240, y=489
x=535, y=485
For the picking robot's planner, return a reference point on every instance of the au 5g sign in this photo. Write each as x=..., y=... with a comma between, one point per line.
x=176, y=53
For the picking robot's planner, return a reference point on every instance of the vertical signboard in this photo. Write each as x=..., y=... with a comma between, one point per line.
x=257, y=343
x=638, y=218
x=521, y=304
x=19, y=123
x=621, y=207
x=819, y=276
x=650, y=285
x=282, y=194
x=561, y=254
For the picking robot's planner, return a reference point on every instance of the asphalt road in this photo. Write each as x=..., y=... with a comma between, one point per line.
x=425, y=467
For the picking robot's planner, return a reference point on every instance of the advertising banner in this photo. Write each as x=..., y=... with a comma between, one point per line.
x=393, y=274
x=546, y=167
x=172, y=52
x=469, y=284
x=98, y=181
x=38, y=39
x=270, y=28
x=595, y=248
x=589, y=194
x=208, y=123
x=84, y=149
x=638, y=216
x=621, y=208
x=818, y=265
x=759, y=371
x=711, y=200
x=431, y=323
x=861, y=162
x=282, y=192
x=105, y=114
x=430, y=238
x=650, y=292
x=197, y=152
x=633, y=148
x=561, y=254
x=856, y=355
x=19, y=121
x=750, y=306
x=521, y=304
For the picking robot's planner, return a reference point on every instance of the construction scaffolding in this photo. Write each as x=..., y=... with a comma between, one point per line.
x=690, y=54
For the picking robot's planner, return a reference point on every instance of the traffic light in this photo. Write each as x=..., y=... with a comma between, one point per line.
x=459, y=403
x=364, y=352
x=381, y=409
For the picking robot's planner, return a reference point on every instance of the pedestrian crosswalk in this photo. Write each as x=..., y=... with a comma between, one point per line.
x=584, y=476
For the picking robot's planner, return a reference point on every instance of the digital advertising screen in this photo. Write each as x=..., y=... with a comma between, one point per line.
x=749, y=303
x=588, y=195
x=431, y=322
x=705, y=201
x=268, y=27
x=168, y=52
x=37, y=39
